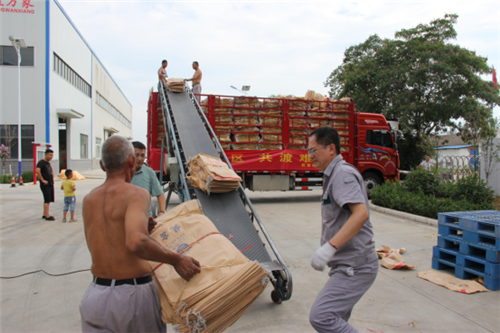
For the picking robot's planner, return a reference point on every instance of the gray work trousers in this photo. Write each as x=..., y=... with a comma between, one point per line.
x=334, y=303
x=197, y=91
x=124, y=308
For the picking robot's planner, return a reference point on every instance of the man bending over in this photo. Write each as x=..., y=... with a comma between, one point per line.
x=122, y=296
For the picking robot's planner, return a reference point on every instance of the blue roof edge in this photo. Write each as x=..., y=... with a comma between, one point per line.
x=81, y=36
x=454, y=147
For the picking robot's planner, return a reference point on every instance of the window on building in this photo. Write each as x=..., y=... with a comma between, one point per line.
x=84, y=146
x=8, y=137
x=379, y=138
x=102, y=102
x=98, y=147
x=66, y=72
x=8, y=56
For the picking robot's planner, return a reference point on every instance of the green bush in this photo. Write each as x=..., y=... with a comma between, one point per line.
x=474, y=190
x=420, y=180
x=398, y=197
x=27, y=176
x=6, y=179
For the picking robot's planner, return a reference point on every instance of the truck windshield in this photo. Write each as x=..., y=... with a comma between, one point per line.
x=379, y=138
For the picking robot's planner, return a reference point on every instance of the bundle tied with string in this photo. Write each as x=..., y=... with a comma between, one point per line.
x=211, y=175
x=175, y=85
x=227, y=285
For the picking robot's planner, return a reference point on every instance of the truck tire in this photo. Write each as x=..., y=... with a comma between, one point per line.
x=372, y=180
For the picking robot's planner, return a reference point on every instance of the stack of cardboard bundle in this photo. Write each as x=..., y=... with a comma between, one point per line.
x=227, y=285
x=175, y=85
x=211, y=175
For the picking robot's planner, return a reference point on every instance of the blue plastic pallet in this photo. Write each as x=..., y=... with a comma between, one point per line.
x=478, y=265
x=450, y=231
x=466, y=273
x=484, y=252
x=480, y=239
x=486, y=222
x=488, y=253
x=445, y=255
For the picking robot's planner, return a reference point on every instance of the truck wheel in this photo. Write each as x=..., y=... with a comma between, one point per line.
x=372, y=180
x=276, y=297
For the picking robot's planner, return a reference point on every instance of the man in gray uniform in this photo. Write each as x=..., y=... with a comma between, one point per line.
x=347, y=245
x=122, y=296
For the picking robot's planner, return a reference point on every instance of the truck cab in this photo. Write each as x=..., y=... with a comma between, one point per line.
x=376, y=154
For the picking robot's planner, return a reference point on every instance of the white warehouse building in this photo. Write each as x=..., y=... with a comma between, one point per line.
x=68, y=98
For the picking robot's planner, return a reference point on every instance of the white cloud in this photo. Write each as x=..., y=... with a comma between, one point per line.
x=277, y=47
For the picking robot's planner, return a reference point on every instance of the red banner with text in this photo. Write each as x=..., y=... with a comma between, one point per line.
x=270, y=160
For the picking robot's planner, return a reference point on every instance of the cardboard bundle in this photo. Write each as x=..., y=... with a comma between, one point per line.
x=320, y=122
x=247, y=101
x=246, y=137
x=319, y=114
x=175, y=85
x=246, y=111
x=271, y=130
x=270, y=112
x=304, y=131
x=340, y=115
x=298, y=122
x=339, y=123
x=310, y=95
x=243, y=146
x=343, y=132
x=223, y=110
x=223, y=119
x=223, y=128
x=246, y=120
x=270, y=121
x=298, y=139
x=224, y=101
x=299, y=103
x=271, y=138
x=227, y=285
x=225, y=146
x=211, y=175
x=271, y=103
x=224, y=137
x=246, y=129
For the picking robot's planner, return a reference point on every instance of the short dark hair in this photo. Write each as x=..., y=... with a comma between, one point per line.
x=47, y=151
x=163, y=61
x=138, y=145
x=196, y=62
x=326, y=136
x=68, y=172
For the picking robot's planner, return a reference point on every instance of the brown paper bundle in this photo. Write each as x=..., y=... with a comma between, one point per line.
x=296, y=147
x=299, y=104
x=175, y=85
x=246, y=129
x=245, y=120
x=246, y=111
x=310, y=95
x=227, y=285
x=271, y=147
x=340, y=115
x=221, y=119
x=270, y=112
x=271, y=138
x=247, y=101
x=339, y=123
x=271, y=104
x=304, y=131
x=226, y=146
x=298, y=139
x=271, y=130
x=211, y=175
x=320, y=123
x=297, y=114
x=224, y=137
x=223, y=110
x=246, y=137
x=224, y=101
x=298, y=122
x=223, y=128
x=270, y=121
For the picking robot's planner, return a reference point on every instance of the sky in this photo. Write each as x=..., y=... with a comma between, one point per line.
x=276, y=47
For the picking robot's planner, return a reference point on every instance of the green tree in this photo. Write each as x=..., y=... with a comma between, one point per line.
x=419, y=77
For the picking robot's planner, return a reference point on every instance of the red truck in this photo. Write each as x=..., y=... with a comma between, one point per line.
x=266, y=139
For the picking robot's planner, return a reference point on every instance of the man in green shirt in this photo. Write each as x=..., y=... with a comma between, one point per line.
x=146, y=178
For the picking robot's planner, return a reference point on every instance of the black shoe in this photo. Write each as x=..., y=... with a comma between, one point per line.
x=50, y=218
x=43, y=217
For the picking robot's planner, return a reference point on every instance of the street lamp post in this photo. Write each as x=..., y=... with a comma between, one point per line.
x=17, y=44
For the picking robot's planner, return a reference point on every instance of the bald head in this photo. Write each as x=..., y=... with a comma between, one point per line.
x=115, y=153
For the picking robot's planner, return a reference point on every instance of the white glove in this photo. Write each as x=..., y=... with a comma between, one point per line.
x=322, y=255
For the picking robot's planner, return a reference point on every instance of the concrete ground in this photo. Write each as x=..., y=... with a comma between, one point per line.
x=42, y=303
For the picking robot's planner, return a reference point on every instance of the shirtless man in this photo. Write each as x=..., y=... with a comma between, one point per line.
x=162, y=72
x=196, y=80
x=122, y=296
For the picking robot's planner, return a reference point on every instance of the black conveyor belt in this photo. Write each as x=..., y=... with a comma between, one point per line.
x=225, y=210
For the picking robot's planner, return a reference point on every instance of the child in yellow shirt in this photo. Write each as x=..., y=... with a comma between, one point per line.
x=69, y=188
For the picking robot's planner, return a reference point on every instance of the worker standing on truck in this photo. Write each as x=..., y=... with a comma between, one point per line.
x=146, y=178
x=122, y=296
x=196, y=79
x=347, y=246
x=162, y=72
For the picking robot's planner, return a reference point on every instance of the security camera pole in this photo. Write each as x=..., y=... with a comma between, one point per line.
x=17, y=44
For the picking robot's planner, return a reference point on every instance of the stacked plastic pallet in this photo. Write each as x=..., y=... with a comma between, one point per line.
x=469, y=244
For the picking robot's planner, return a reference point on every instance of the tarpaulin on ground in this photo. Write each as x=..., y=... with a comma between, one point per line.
x=76, y=175
x=227, y=285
